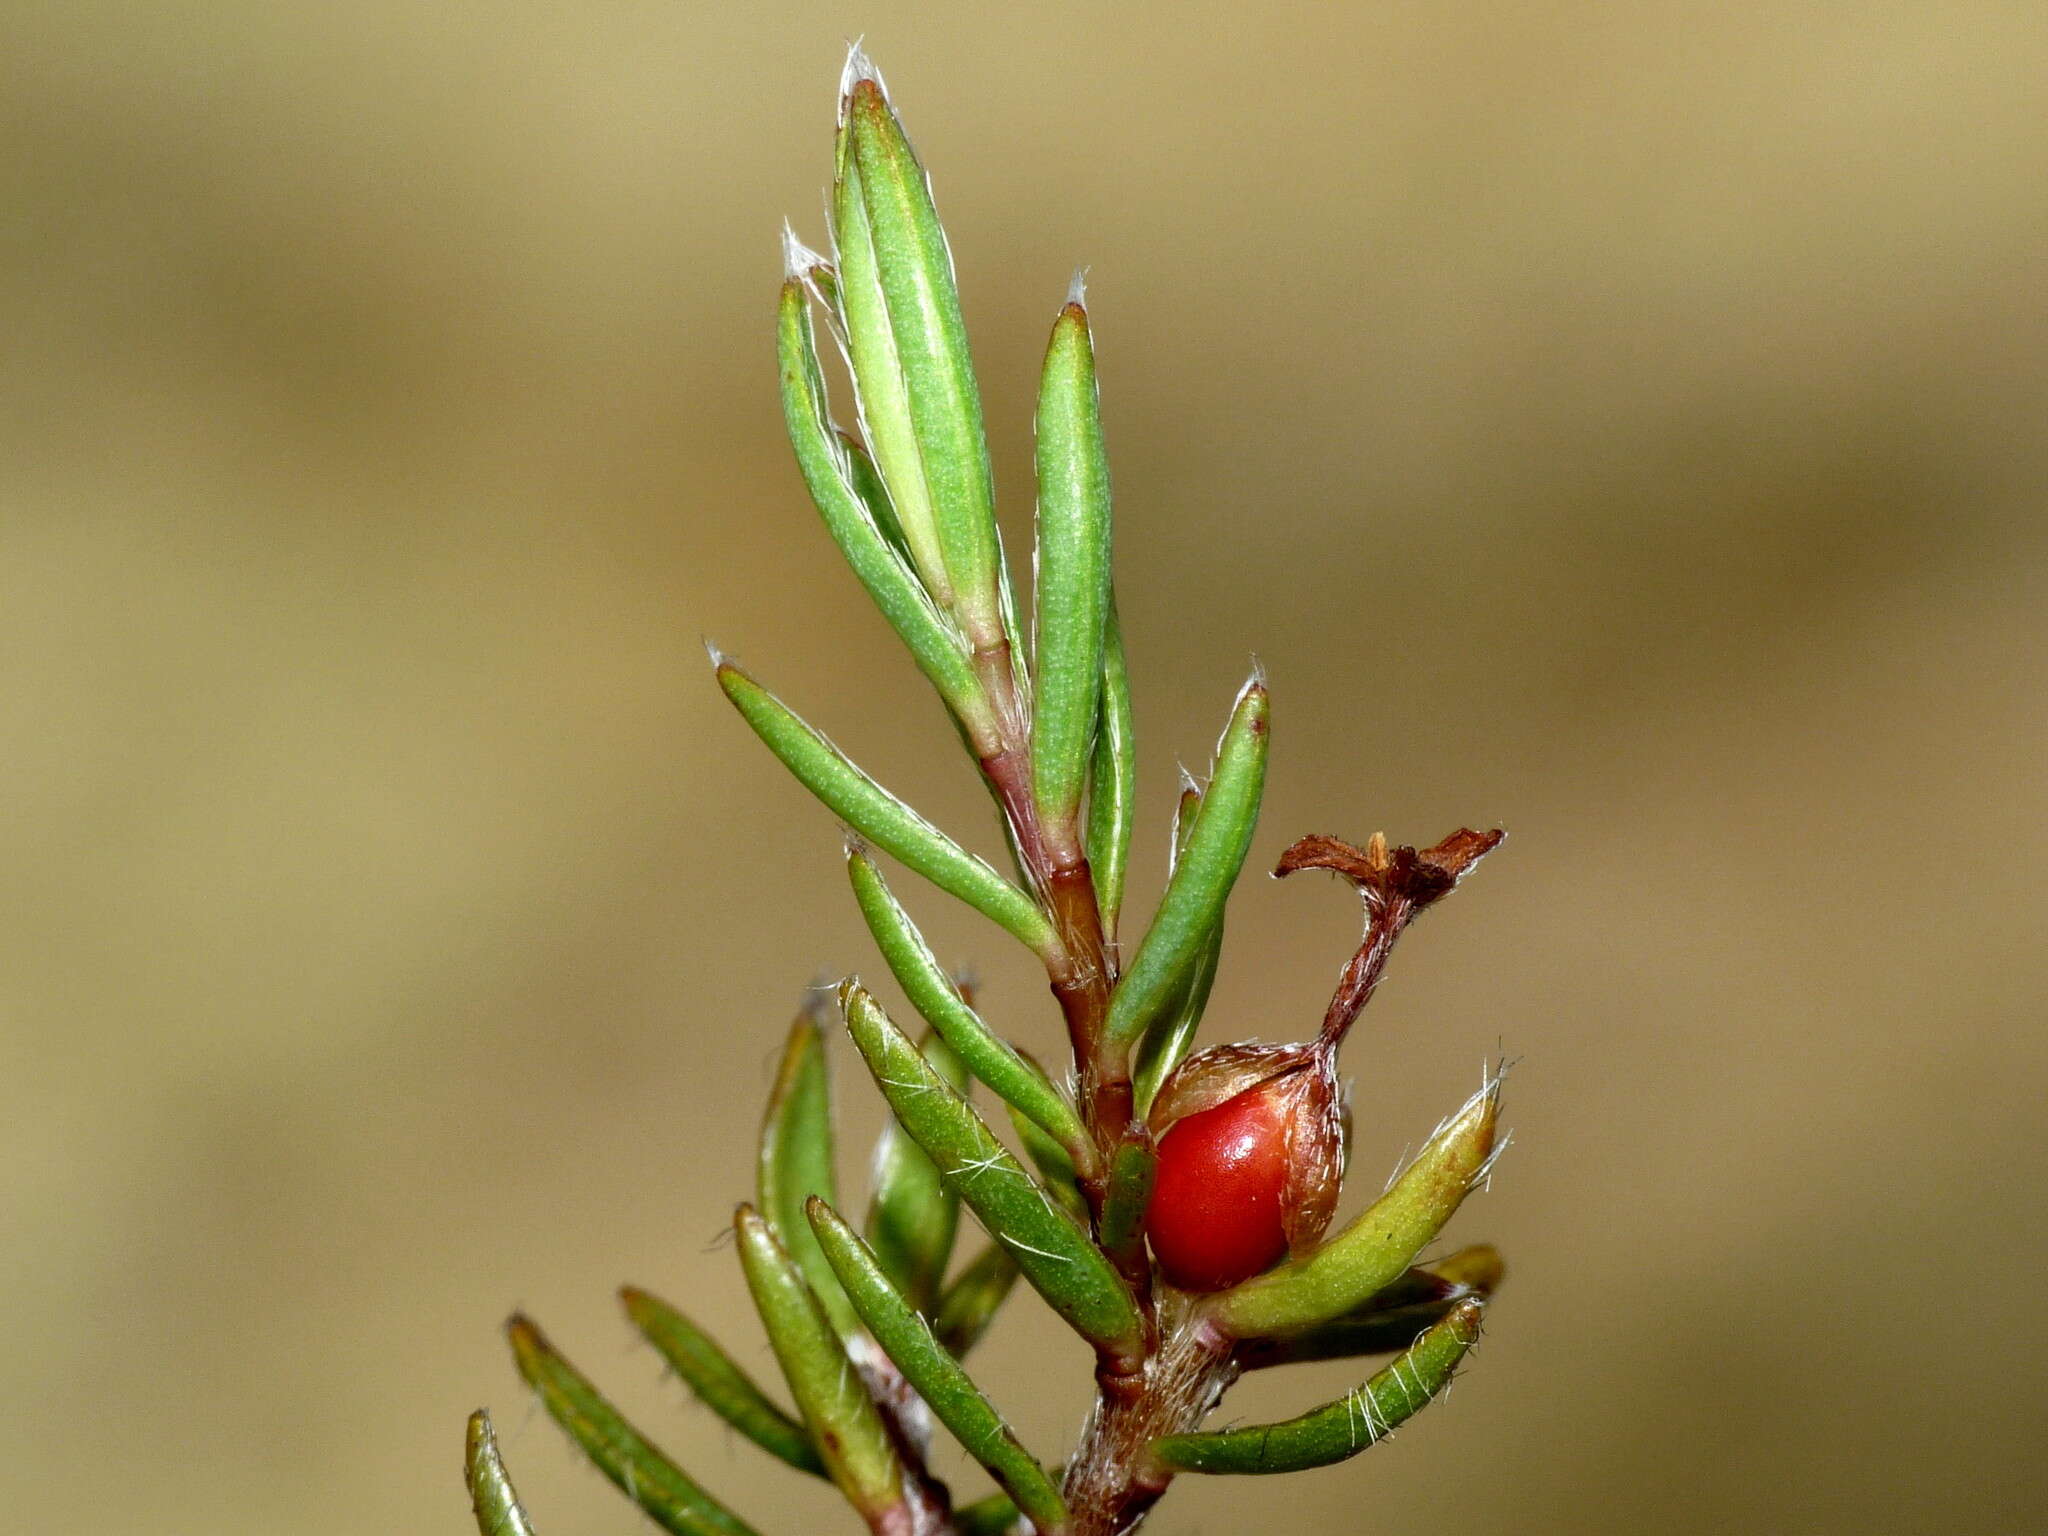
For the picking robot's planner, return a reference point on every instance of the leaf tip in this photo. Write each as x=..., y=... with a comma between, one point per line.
x=799, y=261
x=748, y=1224
x=1254, y=701
x=529, y=1345
x=852, y=997
x=859, y=70
x=1077, y=291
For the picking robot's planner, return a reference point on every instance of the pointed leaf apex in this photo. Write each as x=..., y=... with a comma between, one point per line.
x=719, y=661
x=491, y=1495
x=1258, y=674
x=859, y=67
x=1077, y=290
x=799, y=261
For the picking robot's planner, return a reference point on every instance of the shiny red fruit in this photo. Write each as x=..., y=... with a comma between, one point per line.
x=1215, y=1216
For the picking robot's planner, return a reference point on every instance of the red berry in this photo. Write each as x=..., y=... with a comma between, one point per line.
x=1215, y=1216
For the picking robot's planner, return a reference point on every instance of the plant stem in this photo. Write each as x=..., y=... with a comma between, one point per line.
x=1113, y=1479
x=1082, y=971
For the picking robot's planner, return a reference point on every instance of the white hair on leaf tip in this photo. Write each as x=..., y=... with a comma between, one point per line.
x=858, y=67
x=1482, y=1176
x=1077, y=288
x=799, y=261
x=718, y=657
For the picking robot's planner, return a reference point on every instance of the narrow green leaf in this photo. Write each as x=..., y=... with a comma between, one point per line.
x=971, y=1302
x=719, y=1382
x=1370, y=1254
x=987, y=1055
x=878, y=382
x=845, y=1424
x=1130, y=1186
x=1055, y=1166
x=913, y=1215
x=1073, y=568
x=1168, y=1042
x=952, y=1397
x=1184, y=810
x=1112, y=778
x=995, y=1515
x=1340, y=1430
x=616, y=1448
x=873, y=491
x=914, y=270
x=1389, y=1321
x=1055, y=1254
x=797, y=1160
x=829, y=472
x=880, y=817
x=1203, y=875
x=491, y=1495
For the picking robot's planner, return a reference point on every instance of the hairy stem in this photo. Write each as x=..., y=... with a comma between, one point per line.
x=1082, y=972
x=1113, y=1480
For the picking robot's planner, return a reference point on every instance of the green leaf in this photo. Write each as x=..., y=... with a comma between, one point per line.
x=718, y=1381
x=1168, y=1042
x=491, y=1495
x=1370, y=1254
x=1055, y=1165
x=1131, y=1173
x=989, y=1057
x=878, y=381
x=995, y=1515
x=1112, y=778
x=1340, y=1430
x=1073, y=568
x=616, y=1448
x=1203, y=875
x=952, y=1397
x=873, y=491
x=845, y=1424
x=796, y=1159
x=913, y=1215
x=913, y=270
x=829, y=472
x=971, y=1302
x=1389, y=1321
x=880, y=817
x=1055, y=1254
x=1184, y=810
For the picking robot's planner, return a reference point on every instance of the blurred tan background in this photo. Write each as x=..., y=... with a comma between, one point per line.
x=1620, y=423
